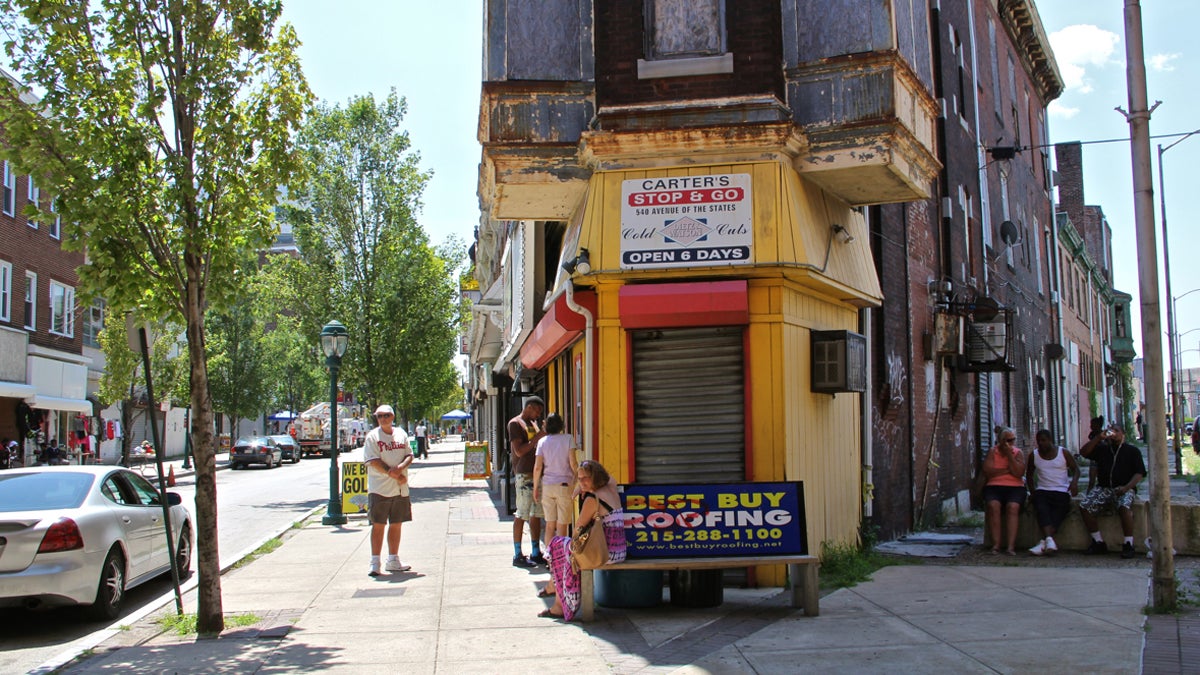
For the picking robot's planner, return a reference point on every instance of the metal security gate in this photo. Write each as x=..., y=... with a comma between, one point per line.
x=689, y=407
x=985, y=416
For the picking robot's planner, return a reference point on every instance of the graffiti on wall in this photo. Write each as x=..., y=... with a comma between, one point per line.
x=897, y=376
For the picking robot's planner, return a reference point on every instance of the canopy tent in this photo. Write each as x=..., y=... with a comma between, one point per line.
x=456, y=415
x=283, y=416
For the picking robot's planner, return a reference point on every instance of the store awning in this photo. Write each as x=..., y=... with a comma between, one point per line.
x=15, y=390
x=702, y=303
x=78, y=405
x=558, y=328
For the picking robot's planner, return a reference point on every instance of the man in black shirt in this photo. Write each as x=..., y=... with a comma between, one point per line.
x=1118, y=470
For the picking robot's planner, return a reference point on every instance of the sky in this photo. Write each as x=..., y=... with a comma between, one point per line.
x=1089, y=45
x=430, y=52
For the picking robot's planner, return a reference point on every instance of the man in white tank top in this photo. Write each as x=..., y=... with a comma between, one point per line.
x=1053, y=476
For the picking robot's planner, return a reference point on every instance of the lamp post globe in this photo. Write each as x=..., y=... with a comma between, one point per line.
x=334, y=339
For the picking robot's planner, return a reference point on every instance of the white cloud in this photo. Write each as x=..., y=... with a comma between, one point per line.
x=1164, y=62
x=1078, y=47
x=1061, y=111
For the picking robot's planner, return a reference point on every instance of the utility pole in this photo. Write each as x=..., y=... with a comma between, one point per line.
x=1163, y=571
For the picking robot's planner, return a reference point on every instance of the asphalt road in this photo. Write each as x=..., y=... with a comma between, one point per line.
x=252, y=504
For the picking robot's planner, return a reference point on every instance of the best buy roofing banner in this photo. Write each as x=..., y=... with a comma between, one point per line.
x=686, y=221
x=717, y=519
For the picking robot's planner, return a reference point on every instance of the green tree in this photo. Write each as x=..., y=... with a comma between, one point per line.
x=163, y=129
x=292, y=363
x=236, y=362
x=367, y=262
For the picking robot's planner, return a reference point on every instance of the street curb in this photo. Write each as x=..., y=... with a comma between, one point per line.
x=96, y=638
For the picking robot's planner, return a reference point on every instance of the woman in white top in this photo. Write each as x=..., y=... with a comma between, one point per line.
x=1053, y=475
x=554, y=476
x=554, y=482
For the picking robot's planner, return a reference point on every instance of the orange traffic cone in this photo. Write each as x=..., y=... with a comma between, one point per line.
x=171, y=477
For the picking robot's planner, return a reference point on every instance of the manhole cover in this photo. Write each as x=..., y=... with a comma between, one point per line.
x=377, y=592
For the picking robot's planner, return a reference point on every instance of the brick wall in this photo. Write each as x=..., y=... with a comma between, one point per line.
x=31, y=249
x=753, y=29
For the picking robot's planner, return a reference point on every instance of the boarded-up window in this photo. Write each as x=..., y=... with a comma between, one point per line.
x=684, y=28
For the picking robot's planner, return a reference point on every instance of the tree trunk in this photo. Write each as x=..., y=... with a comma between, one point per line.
x=210, y=620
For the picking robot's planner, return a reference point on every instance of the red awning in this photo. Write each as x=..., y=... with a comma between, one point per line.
x=557, y=329
x=702, y=303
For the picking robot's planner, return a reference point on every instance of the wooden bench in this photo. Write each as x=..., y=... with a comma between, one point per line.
x=802, y=574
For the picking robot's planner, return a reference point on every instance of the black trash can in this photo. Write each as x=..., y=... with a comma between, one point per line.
x=628, y=589
x=697, y=588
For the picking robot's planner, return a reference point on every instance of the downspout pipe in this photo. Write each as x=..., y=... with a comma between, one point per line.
x=864, y=403
x=567, y=290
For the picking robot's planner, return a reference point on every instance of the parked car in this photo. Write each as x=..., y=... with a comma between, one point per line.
x=83, y=535
x=289, y=448
x=255, y=450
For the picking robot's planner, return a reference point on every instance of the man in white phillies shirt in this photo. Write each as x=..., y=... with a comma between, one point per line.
x=387, y=457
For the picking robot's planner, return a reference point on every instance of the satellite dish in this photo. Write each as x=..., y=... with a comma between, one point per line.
x=1009, y=233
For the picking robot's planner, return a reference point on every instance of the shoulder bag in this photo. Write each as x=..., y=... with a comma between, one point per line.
x=589, y=547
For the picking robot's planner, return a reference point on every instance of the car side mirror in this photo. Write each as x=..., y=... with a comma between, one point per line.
x=173, y=499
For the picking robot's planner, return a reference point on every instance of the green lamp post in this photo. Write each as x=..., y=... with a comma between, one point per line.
x=333, y=343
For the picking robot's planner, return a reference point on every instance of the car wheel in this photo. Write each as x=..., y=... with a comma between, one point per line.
x=296, y=457
x=183, y=554
x=270, y=461
x=233, y=466
x=111, y=590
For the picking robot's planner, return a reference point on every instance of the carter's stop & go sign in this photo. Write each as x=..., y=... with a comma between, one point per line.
x=686, y=221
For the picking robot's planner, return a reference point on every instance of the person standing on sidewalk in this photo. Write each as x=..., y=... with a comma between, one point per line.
x=523, y=436
x=554, y=482
x=422, y=434
x=1053, y=476
x=387, y=457
x=1118, y=469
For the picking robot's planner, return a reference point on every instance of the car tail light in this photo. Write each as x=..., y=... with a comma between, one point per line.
x=63, y=535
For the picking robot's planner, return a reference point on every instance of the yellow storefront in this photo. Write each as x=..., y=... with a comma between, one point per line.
x=695, y=295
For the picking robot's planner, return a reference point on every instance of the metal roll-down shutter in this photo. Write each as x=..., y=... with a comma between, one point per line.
x=689, y=408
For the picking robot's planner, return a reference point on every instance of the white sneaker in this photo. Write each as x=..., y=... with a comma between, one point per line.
x=396, y=566
x=1039, y=549
x=374, y=569
x=1051, y=547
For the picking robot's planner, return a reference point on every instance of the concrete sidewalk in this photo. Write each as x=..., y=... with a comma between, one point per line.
x=464, y=609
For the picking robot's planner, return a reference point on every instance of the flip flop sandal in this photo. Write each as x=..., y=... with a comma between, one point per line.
x=547, y=614
x=545, y=594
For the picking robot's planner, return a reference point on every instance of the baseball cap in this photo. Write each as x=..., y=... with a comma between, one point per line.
x=535, y=400
x=385, y=409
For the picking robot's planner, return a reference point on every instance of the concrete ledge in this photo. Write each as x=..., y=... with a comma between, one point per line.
x=1073, y=536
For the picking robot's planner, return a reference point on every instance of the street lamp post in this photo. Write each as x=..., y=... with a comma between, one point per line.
x=333, y=343
x=1162, y=205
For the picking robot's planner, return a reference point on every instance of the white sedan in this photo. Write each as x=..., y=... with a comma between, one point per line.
x=82, y=535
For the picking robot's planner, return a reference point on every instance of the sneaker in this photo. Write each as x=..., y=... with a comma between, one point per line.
x=539, y=559
x=1096, y=548
x=1039, y=549
x=374, y=569
x=396, y=566
x=1127, y=550
x=523, y=562
x=1051, y=547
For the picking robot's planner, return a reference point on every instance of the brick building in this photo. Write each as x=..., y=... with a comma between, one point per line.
x=963, y=341
x=43, y=370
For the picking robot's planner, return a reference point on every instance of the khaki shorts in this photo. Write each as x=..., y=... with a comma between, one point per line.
x=556, y=502
x=527, y=509
x=383, y=510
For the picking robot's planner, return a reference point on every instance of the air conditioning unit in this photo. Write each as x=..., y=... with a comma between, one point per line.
x=839, y=361
x=947, y=334
x=987, y=341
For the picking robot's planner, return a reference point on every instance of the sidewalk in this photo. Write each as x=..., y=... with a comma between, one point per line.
x=464, y=609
